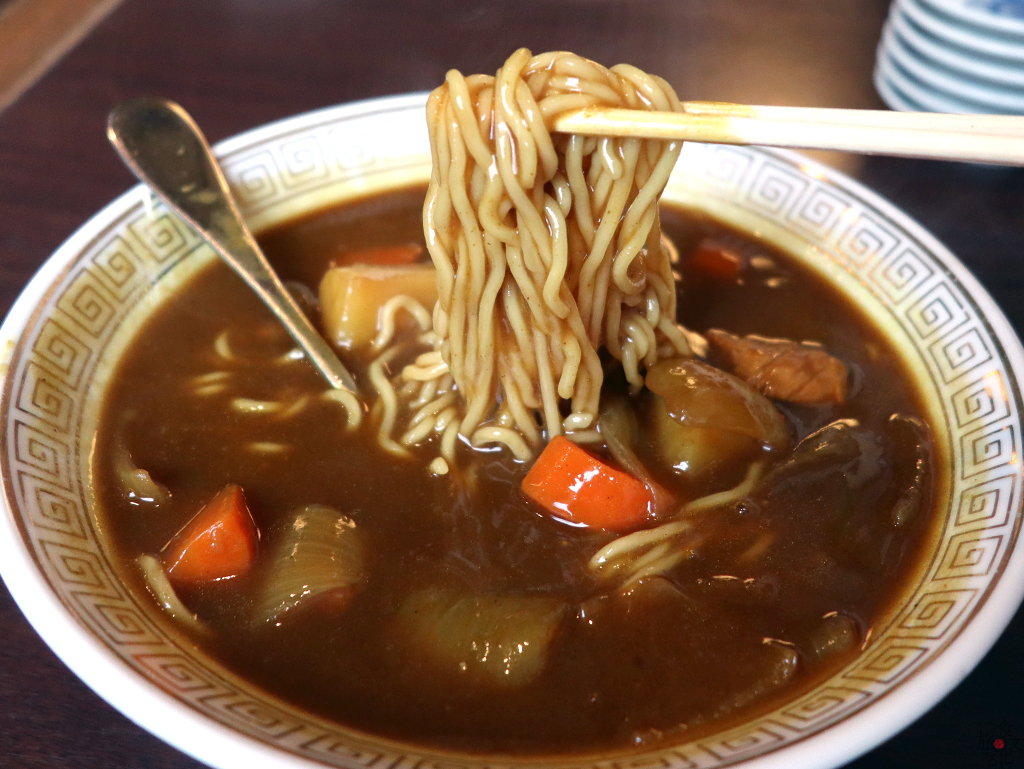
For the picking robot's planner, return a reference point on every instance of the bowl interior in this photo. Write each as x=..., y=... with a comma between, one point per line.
x=76, y=317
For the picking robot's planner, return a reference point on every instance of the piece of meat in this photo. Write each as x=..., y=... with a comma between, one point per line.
x=783, y=369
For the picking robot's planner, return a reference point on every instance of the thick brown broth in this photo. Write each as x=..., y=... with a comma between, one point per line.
x=668, y=661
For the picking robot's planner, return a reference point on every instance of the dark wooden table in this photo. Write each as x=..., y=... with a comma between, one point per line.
x=239, y=63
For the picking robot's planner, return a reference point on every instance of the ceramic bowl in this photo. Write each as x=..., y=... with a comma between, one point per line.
x=928, y=60
x=72, y=322
x=987, y=96
x=997, y=18
x=952, y=59
x=897, y=75
x=891, y=92
x=951, y=31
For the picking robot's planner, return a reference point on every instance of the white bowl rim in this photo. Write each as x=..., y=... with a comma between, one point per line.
x=220, y=746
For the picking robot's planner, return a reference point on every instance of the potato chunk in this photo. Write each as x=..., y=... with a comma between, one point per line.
x=351, y=298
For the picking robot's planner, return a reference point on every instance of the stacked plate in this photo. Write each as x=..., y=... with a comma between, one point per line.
x=963, y=56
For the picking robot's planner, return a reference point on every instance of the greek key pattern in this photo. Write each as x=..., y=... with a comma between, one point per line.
x=323, y=154
x=52, y=375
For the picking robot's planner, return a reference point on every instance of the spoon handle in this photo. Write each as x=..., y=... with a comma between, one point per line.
x=165, y=149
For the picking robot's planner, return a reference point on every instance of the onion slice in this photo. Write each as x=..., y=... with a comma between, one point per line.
x=156, y=580
x=318, y=561
x=137, y=484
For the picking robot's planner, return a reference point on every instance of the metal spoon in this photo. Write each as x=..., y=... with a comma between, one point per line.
x=165, y=149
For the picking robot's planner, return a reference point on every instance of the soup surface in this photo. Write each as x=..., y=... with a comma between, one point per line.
x=778, y=588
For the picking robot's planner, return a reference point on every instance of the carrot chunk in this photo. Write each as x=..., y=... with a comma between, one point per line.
x=572, y=484
x=715, y=262
x=218, y=543
x=388, y=256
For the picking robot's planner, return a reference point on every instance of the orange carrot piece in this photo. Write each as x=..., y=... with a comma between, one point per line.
x=388, y=255
x=572, y=484
x=716, y=262
x=219, y=542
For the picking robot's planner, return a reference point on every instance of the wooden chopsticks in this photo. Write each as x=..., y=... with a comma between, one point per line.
x=982, y=138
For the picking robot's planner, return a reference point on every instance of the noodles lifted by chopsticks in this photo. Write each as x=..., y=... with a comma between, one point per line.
x=547, y=247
